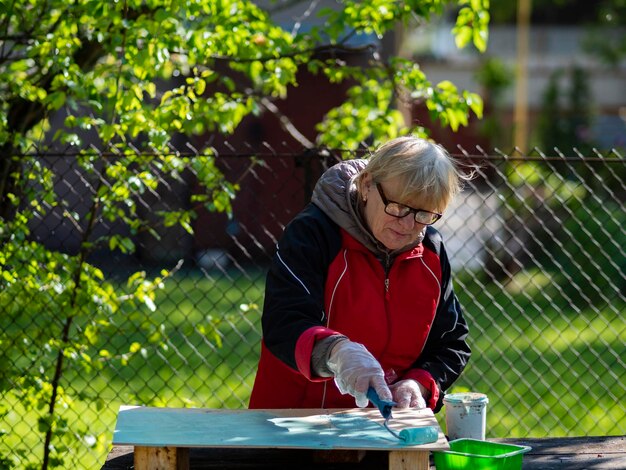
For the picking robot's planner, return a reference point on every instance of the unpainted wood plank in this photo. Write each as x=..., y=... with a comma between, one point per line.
x=573, y=453
x=406, y=460
x=571, y=445
x=161, y=458
x=574, y=462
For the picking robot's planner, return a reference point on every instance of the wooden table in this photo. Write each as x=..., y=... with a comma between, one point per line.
x=162, y=437
x=571, y=453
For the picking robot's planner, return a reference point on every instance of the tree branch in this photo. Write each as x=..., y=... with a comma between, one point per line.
x=65, y=337
x=286, y=123
x=324, y=49
x=284, y=6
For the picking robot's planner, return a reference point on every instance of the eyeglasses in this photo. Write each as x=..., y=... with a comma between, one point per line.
x=398, y=210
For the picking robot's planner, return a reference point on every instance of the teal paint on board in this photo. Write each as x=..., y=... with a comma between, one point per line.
x=227, y=428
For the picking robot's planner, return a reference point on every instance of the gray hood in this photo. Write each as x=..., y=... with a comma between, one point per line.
x=336, y=194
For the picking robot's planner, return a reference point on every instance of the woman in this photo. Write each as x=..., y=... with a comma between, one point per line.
x=360, y=291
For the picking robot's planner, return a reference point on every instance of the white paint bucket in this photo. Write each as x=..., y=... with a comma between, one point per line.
x=466, y=415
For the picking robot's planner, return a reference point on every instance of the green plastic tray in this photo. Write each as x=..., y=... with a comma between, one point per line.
x=466, y=454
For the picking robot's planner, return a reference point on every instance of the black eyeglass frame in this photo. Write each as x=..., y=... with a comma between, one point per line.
x=403, y=210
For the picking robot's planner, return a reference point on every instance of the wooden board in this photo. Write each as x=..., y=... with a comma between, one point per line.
x=297, y=429
x=571, y=453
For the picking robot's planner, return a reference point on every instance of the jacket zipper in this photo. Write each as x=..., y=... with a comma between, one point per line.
x=387, y=267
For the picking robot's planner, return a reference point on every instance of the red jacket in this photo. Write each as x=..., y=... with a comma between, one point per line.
x=392, y=312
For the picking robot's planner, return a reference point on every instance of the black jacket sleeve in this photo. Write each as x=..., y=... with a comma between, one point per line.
x=294, y=290
x=446, y=352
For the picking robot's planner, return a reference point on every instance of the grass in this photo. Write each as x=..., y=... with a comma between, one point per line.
x=549, y=369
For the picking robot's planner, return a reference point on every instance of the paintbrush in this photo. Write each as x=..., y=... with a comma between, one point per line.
x=410, y=436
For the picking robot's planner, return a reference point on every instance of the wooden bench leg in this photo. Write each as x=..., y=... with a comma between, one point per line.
x=161, y=458
x=405, y=460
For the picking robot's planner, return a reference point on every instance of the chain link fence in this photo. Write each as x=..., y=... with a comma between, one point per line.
x=536, y=243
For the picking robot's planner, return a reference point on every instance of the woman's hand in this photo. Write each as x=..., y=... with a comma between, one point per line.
x=409, y=394
x=355, y=370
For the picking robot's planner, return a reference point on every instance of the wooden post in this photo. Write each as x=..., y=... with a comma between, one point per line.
x=521, y=79
x=409, y=460
x=161, y=458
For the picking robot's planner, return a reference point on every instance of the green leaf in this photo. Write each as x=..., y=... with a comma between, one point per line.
x=463, y=36
x=479, y=37
x=200, y=87
x=475, y=102
x=44, y=424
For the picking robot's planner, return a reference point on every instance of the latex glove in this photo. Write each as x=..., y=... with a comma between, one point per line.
x=355, y=370
x=409, y=394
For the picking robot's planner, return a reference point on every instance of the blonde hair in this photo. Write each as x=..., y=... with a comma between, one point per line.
x=429, y=174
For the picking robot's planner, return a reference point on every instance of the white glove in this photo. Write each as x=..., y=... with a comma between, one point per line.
x=409, y=394
x=355, y=370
